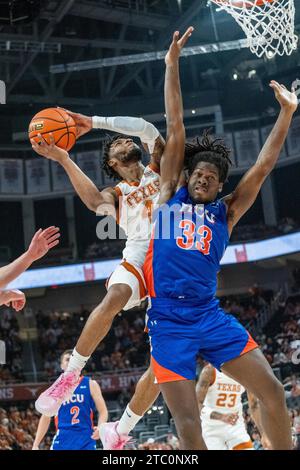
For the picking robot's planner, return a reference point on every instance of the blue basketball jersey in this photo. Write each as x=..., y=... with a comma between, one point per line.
x=181, y=266
x=74, y=422
x=186, y=249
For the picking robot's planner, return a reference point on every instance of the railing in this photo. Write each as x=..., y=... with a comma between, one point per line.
x=255, y=327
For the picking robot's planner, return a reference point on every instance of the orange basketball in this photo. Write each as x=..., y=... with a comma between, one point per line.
x=56, y=121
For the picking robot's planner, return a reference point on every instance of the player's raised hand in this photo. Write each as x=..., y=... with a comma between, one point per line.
x=287, y=99
x=95, y=435
x=83, y=123
x=13, y=297
x=42, y=242
x=176, y=46
x=50, y=151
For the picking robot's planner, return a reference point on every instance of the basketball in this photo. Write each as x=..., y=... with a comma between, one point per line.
x=57, y=122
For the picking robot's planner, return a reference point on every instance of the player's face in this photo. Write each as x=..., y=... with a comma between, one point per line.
x=204, y=183
x=125, y=151
x=65, y=361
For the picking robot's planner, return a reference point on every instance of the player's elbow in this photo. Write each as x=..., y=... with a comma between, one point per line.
x=95, y=205
x=264, y=169
x=175, y=125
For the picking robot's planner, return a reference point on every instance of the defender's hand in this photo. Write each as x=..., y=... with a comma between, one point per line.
x=287, y=99
x=176, y=46
x=83, y=123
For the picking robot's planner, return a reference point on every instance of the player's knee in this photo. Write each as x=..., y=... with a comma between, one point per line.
x=149, y=377
x=187, y=428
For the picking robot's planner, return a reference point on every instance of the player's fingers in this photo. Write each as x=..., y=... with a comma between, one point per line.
x=15, y=304
x=52, y=239
x=275, y=86
x=42, y=142
x=50, y=231
x=71, y=113
x=186, y=36
x=51, y=139
x=52, y=245
x=274, y=83
x=175, y=36
x=34, y=144
x=36, y=235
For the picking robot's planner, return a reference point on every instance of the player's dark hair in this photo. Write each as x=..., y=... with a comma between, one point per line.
x=110, y=172
x=67, y=351
x=207, y=149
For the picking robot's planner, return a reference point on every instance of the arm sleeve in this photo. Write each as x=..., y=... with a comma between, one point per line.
x=136, y=127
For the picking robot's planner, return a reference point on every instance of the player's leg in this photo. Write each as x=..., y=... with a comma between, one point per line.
x=173, y=361
x=123, y=289
x=145, y=394
x=100, y=320
x=180, y=397
x=253, y=371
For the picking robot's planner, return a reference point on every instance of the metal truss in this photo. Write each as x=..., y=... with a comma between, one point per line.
x=147, y=57
x=30, y=46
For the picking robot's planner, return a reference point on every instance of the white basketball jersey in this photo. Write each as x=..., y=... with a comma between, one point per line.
x=224, y=396
x=135, y=214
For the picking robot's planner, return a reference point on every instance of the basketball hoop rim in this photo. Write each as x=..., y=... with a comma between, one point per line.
x=242, y=4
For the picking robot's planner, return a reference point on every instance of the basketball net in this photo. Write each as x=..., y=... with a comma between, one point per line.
x=268, y=24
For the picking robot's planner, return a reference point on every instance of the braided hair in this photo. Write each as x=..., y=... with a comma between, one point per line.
x=207, y=149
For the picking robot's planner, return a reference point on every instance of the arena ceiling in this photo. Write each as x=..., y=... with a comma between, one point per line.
x=83, y=30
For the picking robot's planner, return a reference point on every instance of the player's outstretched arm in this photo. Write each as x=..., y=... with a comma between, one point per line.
x=150, y=137
x=97, y=201
x=100, y=406
x=171, y=164
x=248, y=188
x=206, y=378
x=41, y=243
x=41, y=432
